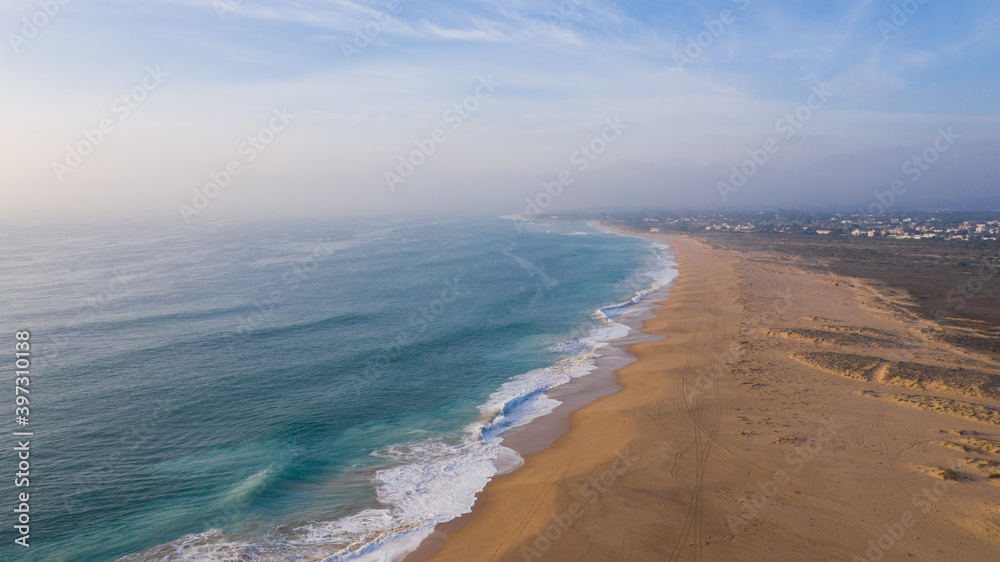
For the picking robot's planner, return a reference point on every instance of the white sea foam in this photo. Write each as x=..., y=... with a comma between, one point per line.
x=452, y=475
x=431, y=482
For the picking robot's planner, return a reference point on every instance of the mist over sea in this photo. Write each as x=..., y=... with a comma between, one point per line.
x=282, y=390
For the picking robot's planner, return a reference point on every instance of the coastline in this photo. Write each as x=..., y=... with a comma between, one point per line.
x=720, y=446
x=612, y=414
x=541, y=433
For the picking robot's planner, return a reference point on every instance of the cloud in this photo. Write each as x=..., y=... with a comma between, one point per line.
x=487, y=33
x=562, y=72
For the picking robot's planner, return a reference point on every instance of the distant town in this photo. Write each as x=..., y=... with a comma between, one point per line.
x=969, y=226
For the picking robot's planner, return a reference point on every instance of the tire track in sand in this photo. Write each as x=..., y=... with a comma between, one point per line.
x=681, y=404
x=693, y=409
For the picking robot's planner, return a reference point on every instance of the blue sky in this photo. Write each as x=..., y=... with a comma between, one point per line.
x=560, y=77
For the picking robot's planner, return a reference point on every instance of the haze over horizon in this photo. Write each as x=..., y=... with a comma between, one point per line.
x=327, y=108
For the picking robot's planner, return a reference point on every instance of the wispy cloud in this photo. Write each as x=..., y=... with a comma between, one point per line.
x=487, y=33
x=565, y=66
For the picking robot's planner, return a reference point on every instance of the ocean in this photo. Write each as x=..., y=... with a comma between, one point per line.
x=291, y=391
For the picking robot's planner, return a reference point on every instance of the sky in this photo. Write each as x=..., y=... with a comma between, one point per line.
x=190, y=110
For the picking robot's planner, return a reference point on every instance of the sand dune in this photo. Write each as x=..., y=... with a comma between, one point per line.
x=957, y=408
x=855, y=337
x=858, y=367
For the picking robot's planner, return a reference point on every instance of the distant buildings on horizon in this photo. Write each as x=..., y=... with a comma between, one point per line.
x=919, y=226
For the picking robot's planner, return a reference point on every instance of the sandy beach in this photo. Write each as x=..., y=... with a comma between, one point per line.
x=785, y=415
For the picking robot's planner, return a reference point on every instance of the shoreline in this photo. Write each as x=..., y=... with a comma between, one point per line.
x=722, y=445
x=564, y=423
x=541, y=433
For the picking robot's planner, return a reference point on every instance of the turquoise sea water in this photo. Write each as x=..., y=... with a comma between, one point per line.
x=268, y=391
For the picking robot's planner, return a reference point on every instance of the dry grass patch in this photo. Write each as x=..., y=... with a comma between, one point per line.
x=957, y=408
x=916, y=376
x=985, y=466
x=864, y=330
x=991, y=446
x=957, y=446
x=961, y=382
x=941, y=473
x=852, y=338
x=858, y=367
